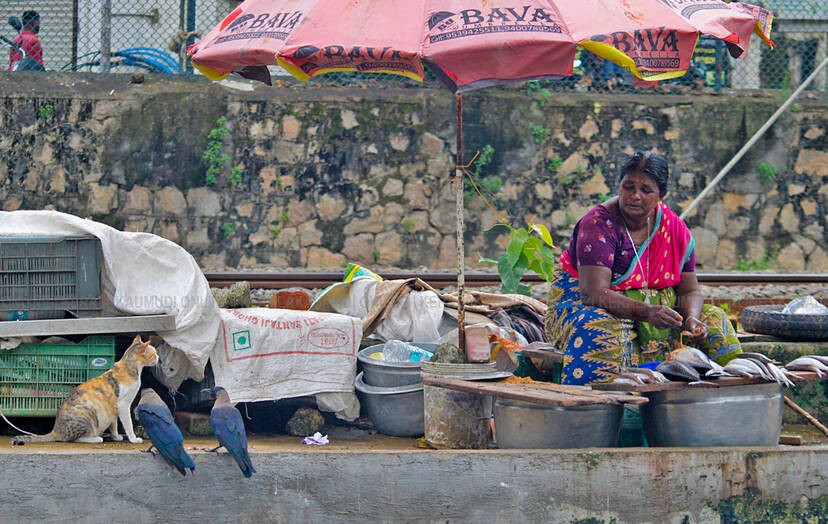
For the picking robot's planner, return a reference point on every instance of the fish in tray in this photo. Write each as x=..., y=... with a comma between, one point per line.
x=678, y=370
x=751, y=367
x=640, y=377
x=698, y=360
x=809, y=363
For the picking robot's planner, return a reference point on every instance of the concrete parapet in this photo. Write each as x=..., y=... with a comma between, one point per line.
x=320, y=485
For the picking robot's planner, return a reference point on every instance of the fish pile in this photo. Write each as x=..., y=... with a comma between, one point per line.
x=688, y=364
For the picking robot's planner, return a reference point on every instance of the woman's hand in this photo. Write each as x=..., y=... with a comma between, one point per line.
x=663, y=317
x=696, y=328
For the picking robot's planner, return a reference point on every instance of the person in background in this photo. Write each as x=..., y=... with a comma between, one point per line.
x=627, y=291
x=28, y=40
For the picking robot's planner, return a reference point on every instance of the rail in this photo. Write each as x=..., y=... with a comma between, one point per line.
x=317, y=279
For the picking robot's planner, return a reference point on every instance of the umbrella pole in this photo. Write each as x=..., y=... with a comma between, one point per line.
x=458, y=187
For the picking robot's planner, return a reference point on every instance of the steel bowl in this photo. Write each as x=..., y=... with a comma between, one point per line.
x=749, y=415
x=396, y=411
x=389, y=374
x=526, y=425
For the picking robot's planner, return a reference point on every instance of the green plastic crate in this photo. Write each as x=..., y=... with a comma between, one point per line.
x=35, y=378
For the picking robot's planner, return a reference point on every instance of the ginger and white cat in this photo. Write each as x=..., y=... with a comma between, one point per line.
x=98, y=403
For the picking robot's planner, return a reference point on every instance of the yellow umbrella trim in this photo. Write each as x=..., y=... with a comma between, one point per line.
x=304, y=77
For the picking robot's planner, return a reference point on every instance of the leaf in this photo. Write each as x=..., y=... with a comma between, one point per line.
x=510, y=274
x=525, y=290
x=484, y=260
x=541, y=230
x=516, y=241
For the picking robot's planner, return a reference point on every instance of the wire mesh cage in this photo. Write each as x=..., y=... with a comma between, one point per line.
x=152, y=36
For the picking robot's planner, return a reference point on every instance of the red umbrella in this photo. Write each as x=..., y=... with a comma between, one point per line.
x=469, y=44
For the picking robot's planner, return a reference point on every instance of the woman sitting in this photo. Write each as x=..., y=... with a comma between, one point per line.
x=627, y=291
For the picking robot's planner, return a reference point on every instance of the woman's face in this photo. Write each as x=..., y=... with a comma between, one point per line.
x=637, y=195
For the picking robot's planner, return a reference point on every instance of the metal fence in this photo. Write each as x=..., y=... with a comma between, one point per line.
x=152, y=36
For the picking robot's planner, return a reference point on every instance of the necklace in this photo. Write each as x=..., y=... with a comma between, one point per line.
x=638, y=258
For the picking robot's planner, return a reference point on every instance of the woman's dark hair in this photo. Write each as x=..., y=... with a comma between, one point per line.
x=651, y=164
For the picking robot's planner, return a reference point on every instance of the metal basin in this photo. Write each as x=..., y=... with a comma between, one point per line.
x=389, y=374
x=396, y=411
x=748, y=415
x=532, y=426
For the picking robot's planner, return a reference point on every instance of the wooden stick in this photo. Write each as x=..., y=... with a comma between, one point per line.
x=791, y=404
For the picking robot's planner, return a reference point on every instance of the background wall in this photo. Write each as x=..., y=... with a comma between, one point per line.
x=328, y=175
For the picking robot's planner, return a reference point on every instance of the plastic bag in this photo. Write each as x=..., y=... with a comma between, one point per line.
x=807, y=305
x=399, y=351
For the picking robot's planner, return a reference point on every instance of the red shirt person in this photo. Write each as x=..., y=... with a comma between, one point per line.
x=28, y=40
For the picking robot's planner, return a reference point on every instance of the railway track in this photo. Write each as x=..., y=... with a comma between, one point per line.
x=317, y=279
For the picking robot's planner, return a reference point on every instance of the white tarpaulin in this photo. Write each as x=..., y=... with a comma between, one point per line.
x=143, y=274
x=269, y=354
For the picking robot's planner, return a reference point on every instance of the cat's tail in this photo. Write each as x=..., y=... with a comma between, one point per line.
x=52, y=436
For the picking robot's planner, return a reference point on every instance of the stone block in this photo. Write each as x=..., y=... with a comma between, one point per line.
x=290, y=127
x=573, y=163
x=817, y=261
x=137, y=201
x=359, y=248
x=707, y=246
x=415, y=192
x=595, y=185
x=319, y=257
x=300, y=211
x=588, y=129
x=171, y=201
x=349, y=119
x=287, y=239
x=309, y=234
x=330, y=206
x=393, y=187
x=245, y=209
x=204, y=202
x=102, y=199
x=389, y=245
x=373, y=223
x=812, y=162
x=647, y=127
x=791, y=258
x=58, y=182
x=398, y=142
x=788, y=218
x=431, y=145
x=196, y=424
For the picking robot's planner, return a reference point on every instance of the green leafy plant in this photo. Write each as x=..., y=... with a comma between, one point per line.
x=227, y=229
x=284, y=217
x=408, y=224
x=603, y=198
x=528, y=249
x=213, y=157
x=767, y=172
x=375, y=254
x=768, y=261
x=236, y=175
x=540, y=133
x=554, y=163
x=274, y=232
x=46, y=112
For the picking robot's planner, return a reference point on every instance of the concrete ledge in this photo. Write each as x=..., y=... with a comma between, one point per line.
x=319, y=485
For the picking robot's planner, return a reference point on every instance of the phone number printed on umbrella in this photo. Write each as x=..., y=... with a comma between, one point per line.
x=658, y=63
x=278, y=35
x=460, y=33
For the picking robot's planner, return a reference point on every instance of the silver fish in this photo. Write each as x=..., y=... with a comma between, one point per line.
x=780, y=376
x=767, y=374
x=675, y=369
x=625, y=381
x=755, y=367
x=716, y=371
x=757, y=356
x=821, y=358
x=695, y=358
x=635, y=377
x=808, y=364
x=743, y=365
x=654, y=376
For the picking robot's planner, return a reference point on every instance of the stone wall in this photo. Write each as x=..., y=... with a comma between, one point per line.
x=324, y=176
